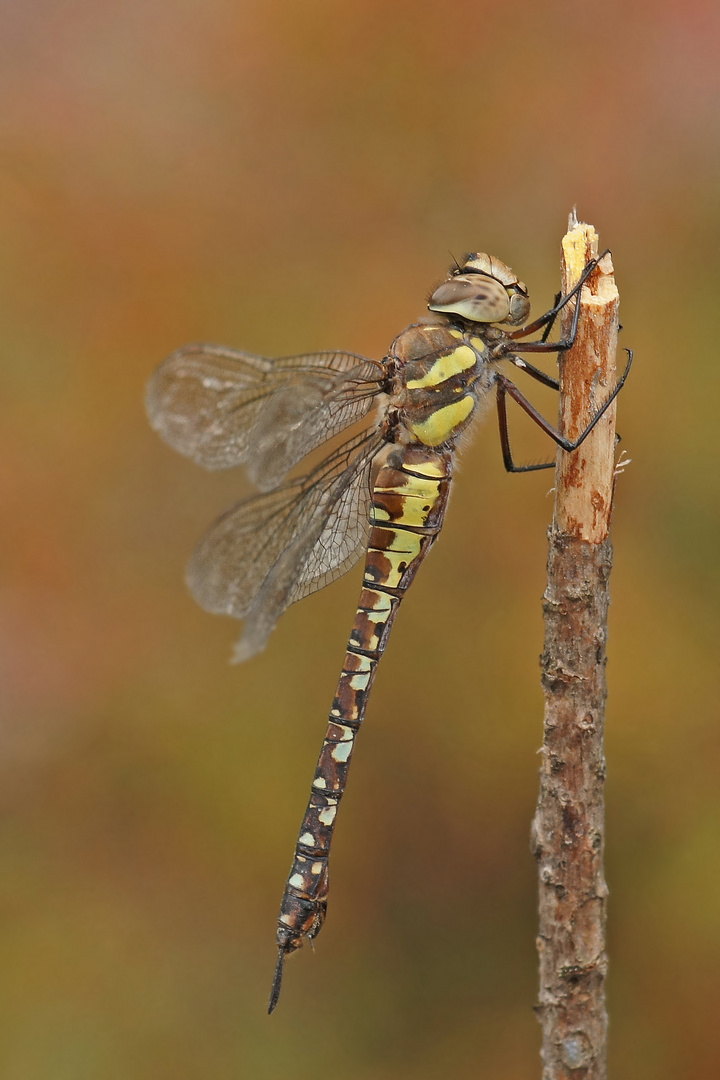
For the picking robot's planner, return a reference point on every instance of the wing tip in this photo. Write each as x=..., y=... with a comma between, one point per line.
x=246, y=648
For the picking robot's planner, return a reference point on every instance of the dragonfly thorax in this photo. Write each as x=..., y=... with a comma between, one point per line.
x=440, y=371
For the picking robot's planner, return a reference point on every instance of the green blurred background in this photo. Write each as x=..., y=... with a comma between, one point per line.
x=283, y=177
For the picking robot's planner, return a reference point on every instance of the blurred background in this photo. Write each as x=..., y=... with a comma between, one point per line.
x=284, y=177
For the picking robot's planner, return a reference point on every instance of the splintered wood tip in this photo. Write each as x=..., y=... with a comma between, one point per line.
x=584, y=481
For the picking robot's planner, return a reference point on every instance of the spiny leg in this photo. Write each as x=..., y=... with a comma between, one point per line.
x=555, y=312
x=541, y=377
x=535, y=373
x=549, y=317
x=510, y=465
x=505, y=386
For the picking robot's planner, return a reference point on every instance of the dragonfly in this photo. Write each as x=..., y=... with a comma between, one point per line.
x=381, y=492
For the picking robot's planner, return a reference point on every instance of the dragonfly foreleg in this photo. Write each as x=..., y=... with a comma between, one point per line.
x=549, y=317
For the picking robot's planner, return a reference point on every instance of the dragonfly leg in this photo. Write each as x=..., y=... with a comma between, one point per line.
x=533, y=372
x=555, y=310
x=506, y=387
x=549, y=318
x=510, y=466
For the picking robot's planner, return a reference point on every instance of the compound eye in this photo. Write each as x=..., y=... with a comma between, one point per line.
x=472, y=296
x=519, y=309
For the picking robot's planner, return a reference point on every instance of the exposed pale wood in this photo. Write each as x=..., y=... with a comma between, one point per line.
x=584, y=479
x=569, y=829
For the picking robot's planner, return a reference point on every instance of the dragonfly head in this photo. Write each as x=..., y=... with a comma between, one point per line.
x=483, y=290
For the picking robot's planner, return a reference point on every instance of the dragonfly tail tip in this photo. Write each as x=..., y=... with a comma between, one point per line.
x=277, y=981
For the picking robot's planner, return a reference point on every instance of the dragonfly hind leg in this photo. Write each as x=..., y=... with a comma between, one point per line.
x=506, y=387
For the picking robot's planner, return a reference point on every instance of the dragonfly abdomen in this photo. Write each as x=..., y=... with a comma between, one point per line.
x=410, y=495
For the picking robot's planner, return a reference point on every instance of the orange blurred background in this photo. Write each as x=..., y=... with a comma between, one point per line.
x=283, y=177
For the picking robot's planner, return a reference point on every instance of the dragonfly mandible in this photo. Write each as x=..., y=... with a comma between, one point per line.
x=381, y=493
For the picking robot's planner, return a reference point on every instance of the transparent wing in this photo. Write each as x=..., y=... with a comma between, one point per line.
x=221, y=407
x=276, y=548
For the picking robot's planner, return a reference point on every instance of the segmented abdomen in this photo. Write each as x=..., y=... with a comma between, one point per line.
x=408, y=505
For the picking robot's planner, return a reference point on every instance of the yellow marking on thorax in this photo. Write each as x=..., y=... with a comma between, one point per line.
x=477, y=343
x=444, y=368
x=440, y=425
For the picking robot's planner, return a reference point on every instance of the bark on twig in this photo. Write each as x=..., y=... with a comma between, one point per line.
x=569, y=828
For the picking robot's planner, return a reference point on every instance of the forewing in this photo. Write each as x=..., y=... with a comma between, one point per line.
x=222, y=407
x=276, y=548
